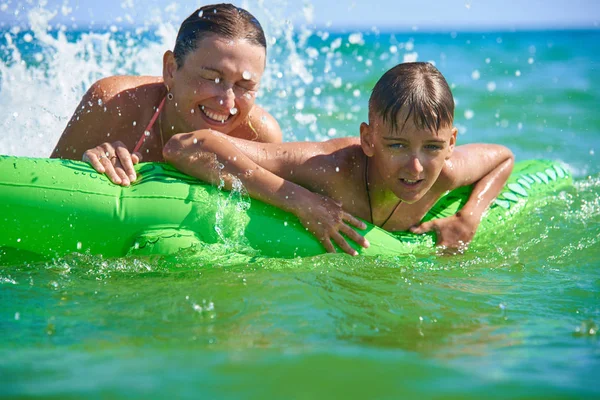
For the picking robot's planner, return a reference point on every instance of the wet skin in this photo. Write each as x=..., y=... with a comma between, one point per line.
x=114, y=112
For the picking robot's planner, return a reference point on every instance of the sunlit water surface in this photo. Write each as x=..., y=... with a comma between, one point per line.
x=517, y=315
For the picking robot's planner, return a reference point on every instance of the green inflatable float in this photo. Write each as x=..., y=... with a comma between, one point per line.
x=51, y=208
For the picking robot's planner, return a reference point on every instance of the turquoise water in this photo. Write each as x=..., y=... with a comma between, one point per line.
x=515, y=316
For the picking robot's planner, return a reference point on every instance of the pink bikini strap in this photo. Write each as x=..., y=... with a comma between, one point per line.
x=149, y=127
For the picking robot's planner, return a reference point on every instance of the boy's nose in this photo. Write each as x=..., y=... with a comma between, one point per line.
x=415, y=164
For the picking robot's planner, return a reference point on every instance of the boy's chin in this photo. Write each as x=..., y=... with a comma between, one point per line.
x=410, y=195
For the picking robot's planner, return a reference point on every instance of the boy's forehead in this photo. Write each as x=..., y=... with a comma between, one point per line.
x=405, y=121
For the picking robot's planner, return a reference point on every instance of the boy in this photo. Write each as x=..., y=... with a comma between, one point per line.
x=404, y=160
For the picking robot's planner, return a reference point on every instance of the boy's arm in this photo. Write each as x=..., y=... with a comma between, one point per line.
x=487, y=167
x=214, y=157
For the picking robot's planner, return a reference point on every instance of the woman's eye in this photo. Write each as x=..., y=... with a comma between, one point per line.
x=212, y=79
x=246, y=87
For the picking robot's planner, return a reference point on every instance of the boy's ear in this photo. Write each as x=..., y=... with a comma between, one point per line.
x=452, y=143
x=169, y=68
x=366, y=139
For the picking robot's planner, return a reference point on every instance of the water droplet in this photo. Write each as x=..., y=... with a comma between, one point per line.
x=217, y=80
x=147, y=133
x=592, y=152
x=469, y=114
x=99, y=102
x=491, y=86
x=530, y=60
x=17, y=316
x=475, y=75
x=355, y=38
x=233, y=111
x=517, y=73
x=246, y=75
x=192, y=111
x=134, y=123
x=221, y=102
x=488, y=60
x=331, y=132
x=79, y=245
x=195, y=141
x=337, y=169
x=356, y=93
x=200, y=13
x=19, y=240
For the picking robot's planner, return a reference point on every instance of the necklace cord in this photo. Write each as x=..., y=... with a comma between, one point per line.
x=369, y=197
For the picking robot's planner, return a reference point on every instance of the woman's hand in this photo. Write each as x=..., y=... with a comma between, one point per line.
x=453, y=233
x=114, y=160
x=326, y=219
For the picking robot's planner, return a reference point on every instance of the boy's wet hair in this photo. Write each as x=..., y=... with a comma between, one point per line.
x=224, y=20
x=414, y=89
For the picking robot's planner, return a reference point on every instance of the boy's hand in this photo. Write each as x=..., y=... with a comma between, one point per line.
x=326, y=219
x=454, y=232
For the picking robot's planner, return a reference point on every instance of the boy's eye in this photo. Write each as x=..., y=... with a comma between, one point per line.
x=434, y=147
x=396, y=145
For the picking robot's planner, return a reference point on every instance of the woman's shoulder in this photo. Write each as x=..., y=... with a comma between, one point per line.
x=264, y=126
x=125, y=86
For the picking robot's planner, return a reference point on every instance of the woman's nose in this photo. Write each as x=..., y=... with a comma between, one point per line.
x=227, y=98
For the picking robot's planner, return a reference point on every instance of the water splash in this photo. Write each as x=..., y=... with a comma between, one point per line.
x=46, y=67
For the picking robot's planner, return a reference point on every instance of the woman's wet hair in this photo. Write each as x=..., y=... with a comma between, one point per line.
x=416, y=90
x=223, y=20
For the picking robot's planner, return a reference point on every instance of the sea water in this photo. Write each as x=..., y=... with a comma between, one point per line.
x=515, y=315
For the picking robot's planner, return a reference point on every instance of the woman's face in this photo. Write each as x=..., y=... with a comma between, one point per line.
x=216, y=86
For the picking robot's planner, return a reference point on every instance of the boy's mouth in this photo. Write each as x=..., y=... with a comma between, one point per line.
x=411, y=182
x=214, y=117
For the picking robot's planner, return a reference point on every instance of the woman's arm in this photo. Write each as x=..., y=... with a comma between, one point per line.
x=101, y=131
x=215, y=157
x=82, y=132
x=487, y=167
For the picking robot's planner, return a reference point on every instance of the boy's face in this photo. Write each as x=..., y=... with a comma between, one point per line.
x=408, y=160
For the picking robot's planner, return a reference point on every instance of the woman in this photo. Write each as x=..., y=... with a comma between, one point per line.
x=209, y=81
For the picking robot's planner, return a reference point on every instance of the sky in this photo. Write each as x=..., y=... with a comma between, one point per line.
x=384, y=14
